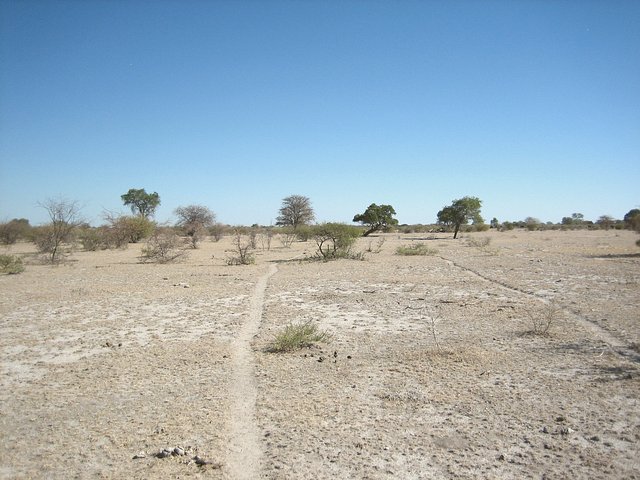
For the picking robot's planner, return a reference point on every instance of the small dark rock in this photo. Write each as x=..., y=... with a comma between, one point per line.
x=595, y=438
x=560, y=418
x=163, y=453
x=500, y=457
x=320, y=359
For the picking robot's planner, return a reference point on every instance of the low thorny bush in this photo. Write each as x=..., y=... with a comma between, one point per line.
x=163, y=248
x=242, y=250
x=542, y=321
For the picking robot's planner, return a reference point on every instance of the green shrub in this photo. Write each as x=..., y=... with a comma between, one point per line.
x=16, y=229
x=11, y=264
x=304, y=232
x=296, y=336
x=124, y=229
x=415, y=249
x=335, y=240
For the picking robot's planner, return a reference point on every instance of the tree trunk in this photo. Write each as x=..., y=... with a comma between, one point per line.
x=455, y=232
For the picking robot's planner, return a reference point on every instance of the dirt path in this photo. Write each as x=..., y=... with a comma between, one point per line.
x=244, y=454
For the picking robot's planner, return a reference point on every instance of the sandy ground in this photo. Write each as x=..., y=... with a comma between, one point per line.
x=432, y=371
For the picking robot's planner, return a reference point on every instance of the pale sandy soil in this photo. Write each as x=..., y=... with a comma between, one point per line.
x=104, y=359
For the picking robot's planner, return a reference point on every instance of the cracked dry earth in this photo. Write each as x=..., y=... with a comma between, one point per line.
x=116, y=369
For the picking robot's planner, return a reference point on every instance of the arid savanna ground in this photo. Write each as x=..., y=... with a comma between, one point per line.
x=432, y=370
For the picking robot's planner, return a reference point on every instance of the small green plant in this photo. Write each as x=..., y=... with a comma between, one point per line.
x=296, y=336
x=11, y=264
x=415, y=249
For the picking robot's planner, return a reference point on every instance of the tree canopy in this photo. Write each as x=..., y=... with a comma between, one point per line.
x=141, y=202
x=296, y=210
x=376, y=217
x=460, y=212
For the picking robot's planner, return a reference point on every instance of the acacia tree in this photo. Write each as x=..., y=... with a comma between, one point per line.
x=65, y=217
x=141, y=203
x=606, y=221
x=460, y=212
x=632, y=219
x=376, y=217
x=296, y=210
x=194, y=220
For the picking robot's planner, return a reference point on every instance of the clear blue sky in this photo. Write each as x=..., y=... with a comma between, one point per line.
x=533, y=106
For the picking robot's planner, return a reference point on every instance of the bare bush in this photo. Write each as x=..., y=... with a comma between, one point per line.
x=241, y=250
x=378, y=246
x=265, y=239
x=541, y=321
x=163, y=247
x=194, y=220
x=217, y=231
x=287, y=236
x=65, y=217
x=479, y=242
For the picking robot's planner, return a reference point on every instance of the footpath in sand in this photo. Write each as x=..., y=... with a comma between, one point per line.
x=431, y=372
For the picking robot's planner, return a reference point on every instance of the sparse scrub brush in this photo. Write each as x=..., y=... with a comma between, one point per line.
x=163, y=248
x=11, y=264
x=296, y=336
x=415, y=249
x=542, y=321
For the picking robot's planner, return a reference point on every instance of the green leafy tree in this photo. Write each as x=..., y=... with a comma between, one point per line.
x=376, y=217
x=632, y=219
x=296, y=210
x=141, y=203
x=460, y=212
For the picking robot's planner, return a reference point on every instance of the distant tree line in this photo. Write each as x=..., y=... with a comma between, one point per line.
x=295, y=220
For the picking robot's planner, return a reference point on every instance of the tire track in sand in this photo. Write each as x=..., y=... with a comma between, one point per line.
x=244, y=451
x=616, y=345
